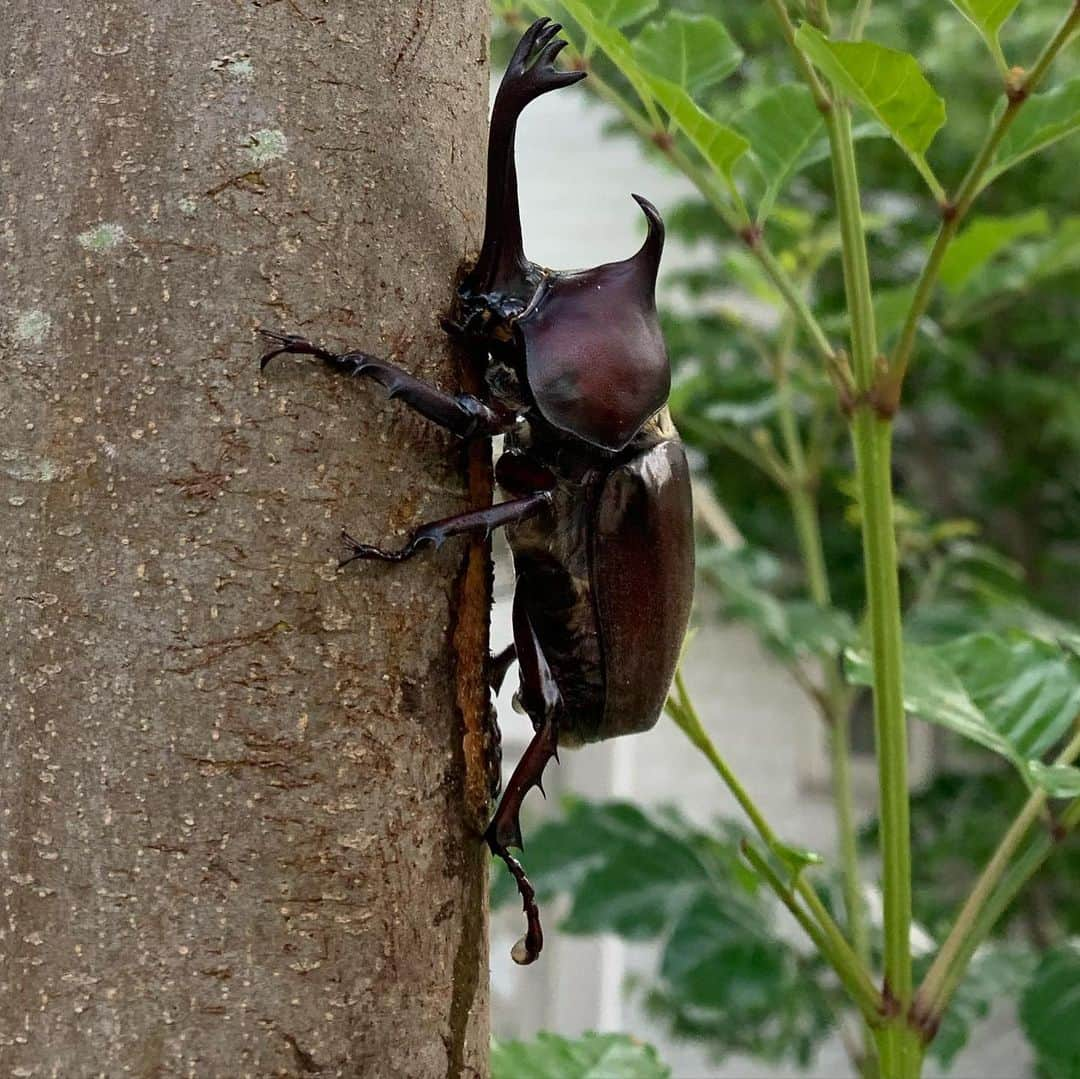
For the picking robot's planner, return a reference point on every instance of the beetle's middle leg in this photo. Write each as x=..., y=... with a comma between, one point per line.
x=543, y=702
x=463, y=414
x=436, y=533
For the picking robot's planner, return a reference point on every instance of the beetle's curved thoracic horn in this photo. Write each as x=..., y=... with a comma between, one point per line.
x=648, y=256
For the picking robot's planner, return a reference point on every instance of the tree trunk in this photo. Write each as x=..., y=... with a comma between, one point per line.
x=236, y=836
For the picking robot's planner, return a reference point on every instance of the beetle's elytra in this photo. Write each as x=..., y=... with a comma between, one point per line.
x=599, y=514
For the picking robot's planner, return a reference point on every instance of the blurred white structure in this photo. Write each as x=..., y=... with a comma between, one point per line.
x=575, y=193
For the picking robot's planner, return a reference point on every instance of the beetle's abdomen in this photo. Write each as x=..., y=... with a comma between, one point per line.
x=643, y=581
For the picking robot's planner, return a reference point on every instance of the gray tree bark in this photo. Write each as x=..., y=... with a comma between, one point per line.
x=236, y=830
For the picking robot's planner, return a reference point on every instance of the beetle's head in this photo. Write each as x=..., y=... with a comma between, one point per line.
x=488, y=317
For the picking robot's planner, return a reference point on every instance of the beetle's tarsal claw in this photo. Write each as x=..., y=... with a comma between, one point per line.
x=291, y=342
x=529, y=947
x=358, y=550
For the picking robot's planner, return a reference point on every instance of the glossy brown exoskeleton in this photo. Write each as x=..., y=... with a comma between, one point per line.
x=599, y=513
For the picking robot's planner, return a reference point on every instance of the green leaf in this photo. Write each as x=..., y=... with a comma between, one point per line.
x=984, y=238
x=719, y=144
x=592, y=1056
x=723, y=955
x=620, y=13
x=1058, y=780
x=692, y=51
x=1028, y=688
x=1050, y=1009
x=888, y=83
x=614, y=44
x=781, y=127
x=1014, y=693
x=1044, y=119
x=933, y=692
x=987, y=16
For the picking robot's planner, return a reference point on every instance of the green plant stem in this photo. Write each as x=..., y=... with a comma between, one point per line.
x=899, y=1050
x=853, y=978
x=970, y=187
x=949, y=964
x=853, y=241
x=839, y=950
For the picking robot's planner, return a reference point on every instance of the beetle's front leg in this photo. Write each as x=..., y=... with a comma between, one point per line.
x=463, y=414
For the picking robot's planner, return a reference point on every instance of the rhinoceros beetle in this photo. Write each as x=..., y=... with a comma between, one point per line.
x=599, y=515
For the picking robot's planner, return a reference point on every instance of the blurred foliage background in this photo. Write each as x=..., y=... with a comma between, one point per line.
x=987, y=471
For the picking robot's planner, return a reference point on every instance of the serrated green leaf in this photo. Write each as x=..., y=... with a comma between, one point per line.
x=692, y=51
x=724, y=954
x=1028, y=688
x=781, y=128
x=888, y=83
x=934, y=692
x=984, y=238
x=1044, y=119
x=1058, y=780
x=1050, y=1008
x=719, y=144
x=1012, y=693
x=592, y=1056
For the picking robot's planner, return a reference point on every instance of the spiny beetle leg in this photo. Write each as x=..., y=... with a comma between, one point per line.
x=543, y=701
x=504, y=831
x=436, y=533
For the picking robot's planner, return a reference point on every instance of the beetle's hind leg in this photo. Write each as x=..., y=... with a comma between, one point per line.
x=436, y=533
x=543, y=701
x=463, y=414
